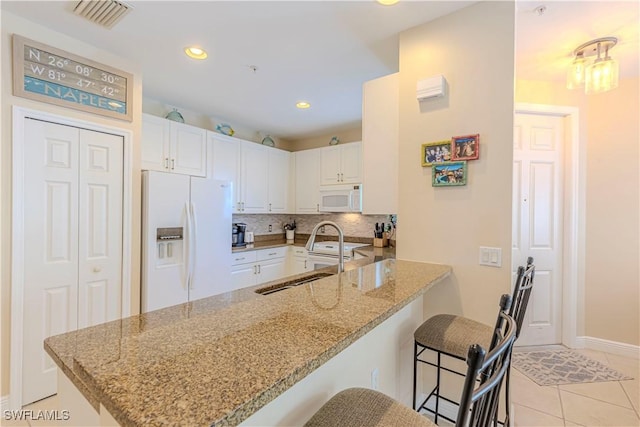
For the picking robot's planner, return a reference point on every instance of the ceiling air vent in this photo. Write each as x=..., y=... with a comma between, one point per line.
x=103, y=12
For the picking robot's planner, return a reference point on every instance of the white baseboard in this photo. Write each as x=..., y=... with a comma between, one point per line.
x=613, y=347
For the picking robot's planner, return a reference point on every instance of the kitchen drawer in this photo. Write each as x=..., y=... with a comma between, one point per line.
x=243, y=257
x=299, y=251
x=264, y=254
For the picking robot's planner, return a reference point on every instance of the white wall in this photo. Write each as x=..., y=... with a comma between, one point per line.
x=609, y=294
x=345, y=135
x=474, y=49
x=13, y=24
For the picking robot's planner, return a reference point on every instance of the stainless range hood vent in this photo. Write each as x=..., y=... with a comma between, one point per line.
x=103, y=12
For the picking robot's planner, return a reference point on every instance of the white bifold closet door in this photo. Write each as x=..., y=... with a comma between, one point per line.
x=73, y=240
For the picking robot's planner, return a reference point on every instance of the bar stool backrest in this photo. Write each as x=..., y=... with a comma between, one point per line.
x=521, y=293
x=479, y=406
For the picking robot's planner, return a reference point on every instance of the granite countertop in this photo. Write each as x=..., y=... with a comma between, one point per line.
x=218, y=360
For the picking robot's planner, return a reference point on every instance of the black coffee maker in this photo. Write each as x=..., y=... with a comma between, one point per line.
x=237, y=234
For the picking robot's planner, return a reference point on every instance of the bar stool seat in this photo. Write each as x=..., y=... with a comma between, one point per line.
x=361, y=407
x=452, y=334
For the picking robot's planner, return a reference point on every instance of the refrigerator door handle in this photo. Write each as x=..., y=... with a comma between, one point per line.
x=187, y=247
x=193, y=230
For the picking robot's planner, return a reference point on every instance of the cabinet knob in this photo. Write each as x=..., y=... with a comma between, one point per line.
x=97, y=269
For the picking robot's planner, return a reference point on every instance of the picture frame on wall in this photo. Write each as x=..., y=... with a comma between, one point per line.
x=435, y=152
x=449, y=174
x=465, y=147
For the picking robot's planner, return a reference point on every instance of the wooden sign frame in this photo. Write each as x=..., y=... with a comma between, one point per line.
x=44, y=73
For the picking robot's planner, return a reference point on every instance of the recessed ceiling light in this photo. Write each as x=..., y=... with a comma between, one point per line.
x=195, y=52
x=387, y=2
x=303, y=104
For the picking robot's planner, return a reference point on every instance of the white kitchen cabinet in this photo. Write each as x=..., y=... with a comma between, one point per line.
x=298, y=261
x=278, y=180
x=255, y=178
x=271, y=270
x=243, y=275
x=169, y=146
x=260, y=174
x=226, y=164
x=341, y=164
x=255, y=267
x=307, y=180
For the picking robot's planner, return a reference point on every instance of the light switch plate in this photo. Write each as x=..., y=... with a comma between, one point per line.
x=490, y=256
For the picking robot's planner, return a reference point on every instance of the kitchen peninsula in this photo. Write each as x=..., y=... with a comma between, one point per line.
x=243, y=357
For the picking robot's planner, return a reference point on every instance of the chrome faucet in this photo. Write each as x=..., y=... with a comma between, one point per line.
x=312, y=240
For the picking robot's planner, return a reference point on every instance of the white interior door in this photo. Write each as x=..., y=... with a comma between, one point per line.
x=537, y=221
x=100, y=225
x=50, y=248
x=73, y=227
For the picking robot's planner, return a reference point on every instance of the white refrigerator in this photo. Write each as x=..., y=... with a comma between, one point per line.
x=186, y=239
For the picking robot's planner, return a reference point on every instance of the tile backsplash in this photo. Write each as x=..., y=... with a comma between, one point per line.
x=353, y=224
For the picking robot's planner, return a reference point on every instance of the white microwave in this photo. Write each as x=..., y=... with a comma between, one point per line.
x=341, y=198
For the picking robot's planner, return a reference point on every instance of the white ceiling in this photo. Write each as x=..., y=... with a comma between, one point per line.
x=319, y=51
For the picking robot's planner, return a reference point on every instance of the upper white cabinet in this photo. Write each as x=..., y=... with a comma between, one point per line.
x=279, y=162
x=226, y=164
x=169, y=146
x=341, y=164
x=307, y=180
x=380, y=126
x=255, y=175
x=260, y=174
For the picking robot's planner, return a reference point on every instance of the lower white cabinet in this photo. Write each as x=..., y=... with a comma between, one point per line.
x=298, y=261
x=255, y=267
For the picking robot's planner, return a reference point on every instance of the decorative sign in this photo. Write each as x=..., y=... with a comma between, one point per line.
x=51, y=75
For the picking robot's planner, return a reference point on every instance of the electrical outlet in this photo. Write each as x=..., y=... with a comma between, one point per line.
x=375, y=379
x=322, y=229
x=270, y=228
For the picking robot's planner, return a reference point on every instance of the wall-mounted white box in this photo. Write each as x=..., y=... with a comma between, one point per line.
x=490, y=256
x=432, y=87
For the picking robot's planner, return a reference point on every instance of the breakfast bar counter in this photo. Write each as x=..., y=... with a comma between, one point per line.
x=219, y=360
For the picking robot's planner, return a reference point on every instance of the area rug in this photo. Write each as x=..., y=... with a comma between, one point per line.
x=555, y=367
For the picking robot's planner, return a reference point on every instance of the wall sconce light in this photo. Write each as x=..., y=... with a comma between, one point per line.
x=599, y=76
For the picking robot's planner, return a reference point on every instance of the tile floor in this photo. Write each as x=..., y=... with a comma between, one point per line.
x=614, y=403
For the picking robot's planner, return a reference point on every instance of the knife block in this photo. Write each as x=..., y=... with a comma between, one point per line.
x=380, y=242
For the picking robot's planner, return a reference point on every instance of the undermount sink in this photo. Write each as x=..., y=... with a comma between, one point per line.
x=286, y=284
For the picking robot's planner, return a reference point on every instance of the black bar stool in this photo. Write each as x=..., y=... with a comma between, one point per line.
x=360, y=407
x=451, y=335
